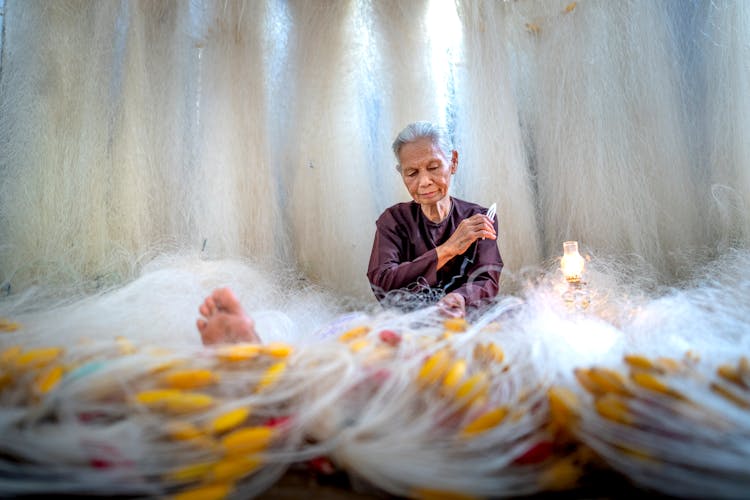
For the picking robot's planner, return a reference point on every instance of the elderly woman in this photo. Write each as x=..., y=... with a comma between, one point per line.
x=436, y=245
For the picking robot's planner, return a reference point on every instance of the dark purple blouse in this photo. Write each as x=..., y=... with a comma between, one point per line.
x=404, y=256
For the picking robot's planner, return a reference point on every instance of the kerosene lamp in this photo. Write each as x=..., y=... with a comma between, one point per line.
x=572, y=265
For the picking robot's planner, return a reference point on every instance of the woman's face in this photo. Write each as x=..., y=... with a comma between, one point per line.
x=426, y=171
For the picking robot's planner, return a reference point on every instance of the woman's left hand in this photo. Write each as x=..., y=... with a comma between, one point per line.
x=468, y=231
x=453, y=305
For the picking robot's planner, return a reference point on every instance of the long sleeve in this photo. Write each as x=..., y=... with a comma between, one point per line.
x=389, y=268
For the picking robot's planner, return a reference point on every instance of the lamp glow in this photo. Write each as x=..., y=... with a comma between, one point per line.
x=572, y=262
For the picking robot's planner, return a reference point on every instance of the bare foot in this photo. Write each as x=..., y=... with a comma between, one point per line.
x=224, y=320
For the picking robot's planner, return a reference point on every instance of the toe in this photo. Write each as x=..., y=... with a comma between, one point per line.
x=210, y=306
x=226, y=300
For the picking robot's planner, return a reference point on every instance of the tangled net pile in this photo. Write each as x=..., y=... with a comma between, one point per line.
x=411, y=404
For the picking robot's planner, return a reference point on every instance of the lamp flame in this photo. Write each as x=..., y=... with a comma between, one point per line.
x=572, y=262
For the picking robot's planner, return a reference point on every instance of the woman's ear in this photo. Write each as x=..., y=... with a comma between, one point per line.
x=454, y=161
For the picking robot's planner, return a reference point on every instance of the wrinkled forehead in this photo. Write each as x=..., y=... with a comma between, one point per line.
x=419, y=153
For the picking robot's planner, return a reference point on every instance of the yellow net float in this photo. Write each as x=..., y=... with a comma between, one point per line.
x=48, y=379
x=8, y=326
x=271, y=377
x=228, y=420
x=190, y=379
x=216, y=491
x=37, y=358
x=485, y=422
x=434, y=367
x=247, y=440
x=239, y=352
x=354, y=333
x=174, y=401
x=456, y=325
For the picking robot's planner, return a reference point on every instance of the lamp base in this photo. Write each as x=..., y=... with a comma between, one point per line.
x=577, y=295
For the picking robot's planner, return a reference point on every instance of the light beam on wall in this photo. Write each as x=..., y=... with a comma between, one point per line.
x=443, y=29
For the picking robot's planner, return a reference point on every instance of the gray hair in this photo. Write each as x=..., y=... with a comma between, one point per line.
x=421, y=130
